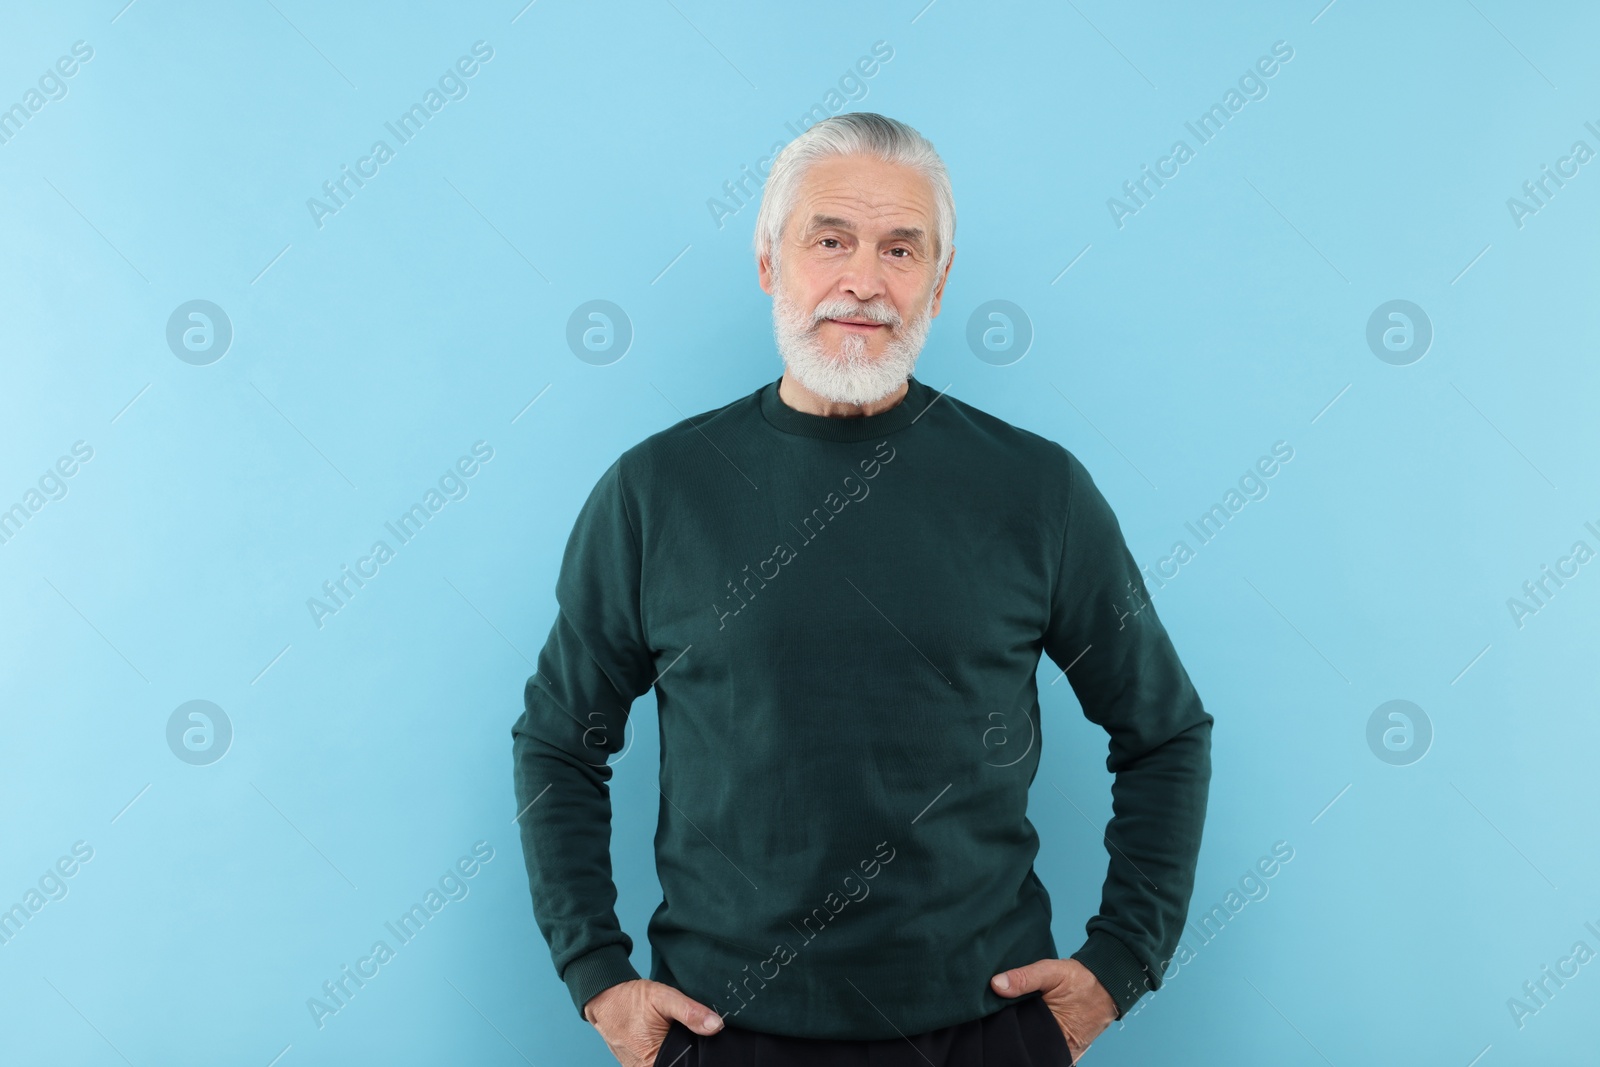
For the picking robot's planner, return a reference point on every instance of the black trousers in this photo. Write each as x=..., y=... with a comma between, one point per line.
x=1022, y=1034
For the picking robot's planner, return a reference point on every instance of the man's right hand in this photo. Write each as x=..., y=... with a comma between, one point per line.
x=633, y=1018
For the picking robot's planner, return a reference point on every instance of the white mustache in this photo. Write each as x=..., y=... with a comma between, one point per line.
x=885, y=316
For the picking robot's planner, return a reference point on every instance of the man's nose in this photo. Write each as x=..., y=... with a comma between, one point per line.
x=863, y=277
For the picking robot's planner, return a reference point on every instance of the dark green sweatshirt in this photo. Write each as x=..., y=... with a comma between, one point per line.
x=843, y=620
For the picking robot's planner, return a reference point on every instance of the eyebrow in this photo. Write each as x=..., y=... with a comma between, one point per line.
x=913, y=234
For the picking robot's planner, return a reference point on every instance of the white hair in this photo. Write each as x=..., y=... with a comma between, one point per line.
x=864, y=133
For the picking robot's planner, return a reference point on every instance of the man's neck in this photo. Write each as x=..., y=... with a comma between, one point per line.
x=797, y=396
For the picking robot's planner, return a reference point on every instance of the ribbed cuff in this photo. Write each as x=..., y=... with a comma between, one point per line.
x=1118, y=969
x=597, y=971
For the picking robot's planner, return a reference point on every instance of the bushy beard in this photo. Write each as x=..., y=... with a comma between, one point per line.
x=849, y=375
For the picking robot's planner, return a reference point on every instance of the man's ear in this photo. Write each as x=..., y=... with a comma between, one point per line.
x=764, y=272
x=938, y=290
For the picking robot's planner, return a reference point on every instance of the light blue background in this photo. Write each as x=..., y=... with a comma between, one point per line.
x=370, y=353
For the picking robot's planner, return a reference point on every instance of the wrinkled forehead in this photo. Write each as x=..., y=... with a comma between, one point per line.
x=867, y=197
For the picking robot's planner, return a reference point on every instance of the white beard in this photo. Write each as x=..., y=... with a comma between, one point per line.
x=850, y=375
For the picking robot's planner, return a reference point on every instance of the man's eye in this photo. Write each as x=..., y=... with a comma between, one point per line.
x=907, y=251
x=827, y=239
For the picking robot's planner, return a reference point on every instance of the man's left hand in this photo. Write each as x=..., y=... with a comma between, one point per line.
x=1080, y=1004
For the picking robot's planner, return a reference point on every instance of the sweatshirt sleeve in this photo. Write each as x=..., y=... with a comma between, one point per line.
x=592, y=667
x=1104, y=633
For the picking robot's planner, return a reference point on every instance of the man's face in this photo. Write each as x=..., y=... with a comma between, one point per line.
x=856, y=284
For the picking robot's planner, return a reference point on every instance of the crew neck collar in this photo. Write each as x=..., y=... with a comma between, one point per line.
x=845, y=427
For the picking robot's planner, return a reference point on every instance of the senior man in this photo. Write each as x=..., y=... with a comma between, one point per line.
x=840, y=586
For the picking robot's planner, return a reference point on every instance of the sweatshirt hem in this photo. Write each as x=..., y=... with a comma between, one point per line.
x=1116, y=968
x=597, y=971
